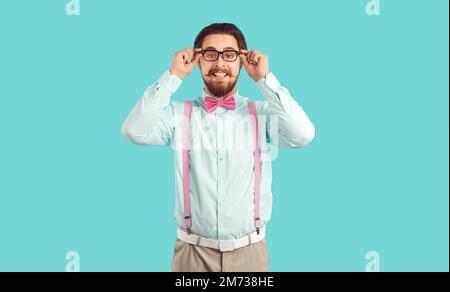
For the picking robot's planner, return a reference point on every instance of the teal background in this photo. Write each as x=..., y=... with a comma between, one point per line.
x=374, y=178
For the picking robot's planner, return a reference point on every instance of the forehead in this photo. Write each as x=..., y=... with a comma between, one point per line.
x=220, y=42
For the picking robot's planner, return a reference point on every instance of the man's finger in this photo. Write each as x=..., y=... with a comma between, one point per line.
x=256, y=58
x=250, y=56
x=196, y=53
x=244, y=61
x=183, y=56
x=190, y=53
x=196, y=58
x=247, y=54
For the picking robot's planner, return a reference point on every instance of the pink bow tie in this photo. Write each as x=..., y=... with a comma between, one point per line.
x=227, y=102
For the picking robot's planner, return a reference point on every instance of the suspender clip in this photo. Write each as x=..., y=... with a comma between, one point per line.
x=189, y=231
x=257, y=223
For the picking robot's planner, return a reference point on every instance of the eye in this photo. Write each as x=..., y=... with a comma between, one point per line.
x=210, y=54
x=229, y=54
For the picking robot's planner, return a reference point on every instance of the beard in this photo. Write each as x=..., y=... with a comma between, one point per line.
x=220, y=89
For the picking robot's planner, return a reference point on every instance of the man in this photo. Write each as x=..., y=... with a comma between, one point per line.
x=220, y=140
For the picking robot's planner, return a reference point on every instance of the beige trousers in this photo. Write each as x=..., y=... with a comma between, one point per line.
x=191, y=258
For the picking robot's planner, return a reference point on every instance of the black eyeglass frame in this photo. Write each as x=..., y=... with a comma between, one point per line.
x=220, y=53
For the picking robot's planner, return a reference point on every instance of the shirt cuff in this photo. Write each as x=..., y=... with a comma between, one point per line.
x=270, y=81
x=169, y=81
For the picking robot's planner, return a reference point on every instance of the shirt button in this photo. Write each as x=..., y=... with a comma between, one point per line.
x=221, y=158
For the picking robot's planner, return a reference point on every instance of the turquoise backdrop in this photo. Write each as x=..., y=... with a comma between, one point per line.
x=374, y=179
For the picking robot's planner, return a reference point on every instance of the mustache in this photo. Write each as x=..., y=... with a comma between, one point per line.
x=219, y=71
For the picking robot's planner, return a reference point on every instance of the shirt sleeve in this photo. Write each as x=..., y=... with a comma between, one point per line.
x=151, y=121
x=289, y=125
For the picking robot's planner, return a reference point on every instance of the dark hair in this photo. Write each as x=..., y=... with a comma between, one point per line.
x=221, y=28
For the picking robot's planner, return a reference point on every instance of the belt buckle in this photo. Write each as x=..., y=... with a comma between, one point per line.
x=226, y=245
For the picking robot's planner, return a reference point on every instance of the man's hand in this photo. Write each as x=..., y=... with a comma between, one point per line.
x=256, y=64
x=184, y=61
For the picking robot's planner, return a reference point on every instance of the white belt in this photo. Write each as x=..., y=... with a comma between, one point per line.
x=222, y=245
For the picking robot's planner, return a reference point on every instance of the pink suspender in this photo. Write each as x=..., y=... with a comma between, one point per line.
x=186, y=181
x=186, y=177
x=256, y=151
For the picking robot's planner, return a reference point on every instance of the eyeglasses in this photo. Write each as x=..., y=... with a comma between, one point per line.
x=211, y=55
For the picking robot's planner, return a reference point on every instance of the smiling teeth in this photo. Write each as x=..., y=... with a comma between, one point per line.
x=220, y=74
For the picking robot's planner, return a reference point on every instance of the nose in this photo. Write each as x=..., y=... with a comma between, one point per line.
x=220, y=60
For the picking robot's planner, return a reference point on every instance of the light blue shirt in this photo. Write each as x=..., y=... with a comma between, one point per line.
x=221, y=156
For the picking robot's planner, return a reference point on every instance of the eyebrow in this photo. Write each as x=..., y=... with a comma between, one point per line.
x=226, y=48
